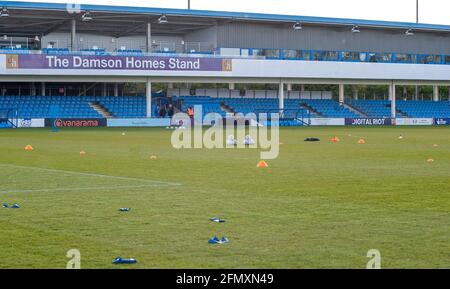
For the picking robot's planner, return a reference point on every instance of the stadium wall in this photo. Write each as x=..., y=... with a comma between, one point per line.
x=62, y=40
x=207, y=35
x=276, y=36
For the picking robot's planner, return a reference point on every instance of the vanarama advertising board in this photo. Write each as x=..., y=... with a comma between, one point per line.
x=75, y=122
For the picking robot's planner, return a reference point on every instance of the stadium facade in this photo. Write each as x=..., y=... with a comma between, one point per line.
x=80, y=57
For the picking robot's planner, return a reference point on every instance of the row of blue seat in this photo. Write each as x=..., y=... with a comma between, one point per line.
x=135, y=106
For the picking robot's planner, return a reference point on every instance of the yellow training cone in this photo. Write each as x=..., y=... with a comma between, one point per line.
x=262, y=164
x=435, y=145
x=82, y=153
x=28, y=148
x=153, y=157
x=430, y=160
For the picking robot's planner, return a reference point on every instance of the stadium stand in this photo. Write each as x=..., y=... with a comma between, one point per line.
x=94, y=51
x=38, y=106
x=129, y=52
x=55, y=51
x=14, y=50
x=124, y=107
x=424, y=108
x=314, y=44
x=328, y=108
x=208, y=104
x=134, y=106
x=75, y=106
x=372, y=108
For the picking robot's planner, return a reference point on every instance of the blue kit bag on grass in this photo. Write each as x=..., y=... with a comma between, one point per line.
x=120, y=260
x=217, y=220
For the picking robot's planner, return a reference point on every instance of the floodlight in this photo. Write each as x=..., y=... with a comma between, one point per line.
x=297, y=26
x=163, y=19
x=4, y=12
x=409, y=32
x=87, y=16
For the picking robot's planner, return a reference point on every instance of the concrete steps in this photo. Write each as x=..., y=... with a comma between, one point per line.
x=310, y=109
x=98, y=107
x=355, y=110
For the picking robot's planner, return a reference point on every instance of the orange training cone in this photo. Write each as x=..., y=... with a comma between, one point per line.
x=335, y=139
x=262, y=164
x=28, y=148
x=361, y=141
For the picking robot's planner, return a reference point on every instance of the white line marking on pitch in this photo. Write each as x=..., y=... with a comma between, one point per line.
x=80, y=189
x=91, y=174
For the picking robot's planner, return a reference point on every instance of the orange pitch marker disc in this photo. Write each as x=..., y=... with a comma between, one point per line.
x=262, y=164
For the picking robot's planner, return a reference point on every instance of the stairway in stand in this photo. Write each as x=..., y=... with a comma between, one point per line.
x=354, y=110
x=97, y=106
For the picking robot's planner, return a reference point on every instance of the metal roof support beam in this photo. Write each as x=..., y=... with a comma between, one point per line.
x=435, y=92
x=148, y=97
x=149, y=37
x=341, y=93
x=281, y=98
x=43, y=88
x=55, y=27
x=73, y=35
x=116, y=89
x=392, y=98
x=131, y=30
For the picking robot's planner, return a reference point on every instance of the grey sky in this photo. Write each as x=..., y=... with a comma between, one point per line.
x=431, y=11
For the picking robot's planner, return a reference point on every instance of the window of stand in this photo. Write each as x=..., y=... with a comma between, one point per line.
x=379, y=57
x=403, y=58
x=447, y=59
x=292, y=54
x=350, y=56
x=269, y=53
x=430, y=59
x=297, y=54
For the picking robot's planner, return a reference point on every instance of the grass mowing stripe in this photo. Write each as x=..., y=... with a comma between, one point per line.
x=91, y=174
x=83, y=189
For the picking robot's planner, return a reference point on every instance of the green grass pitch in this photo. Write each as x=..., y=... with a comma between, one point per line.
x=318, y=205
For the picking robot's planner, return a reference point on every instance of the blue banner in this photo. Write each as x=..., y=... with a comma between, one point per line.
x=368, y=121
x=442, y=121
